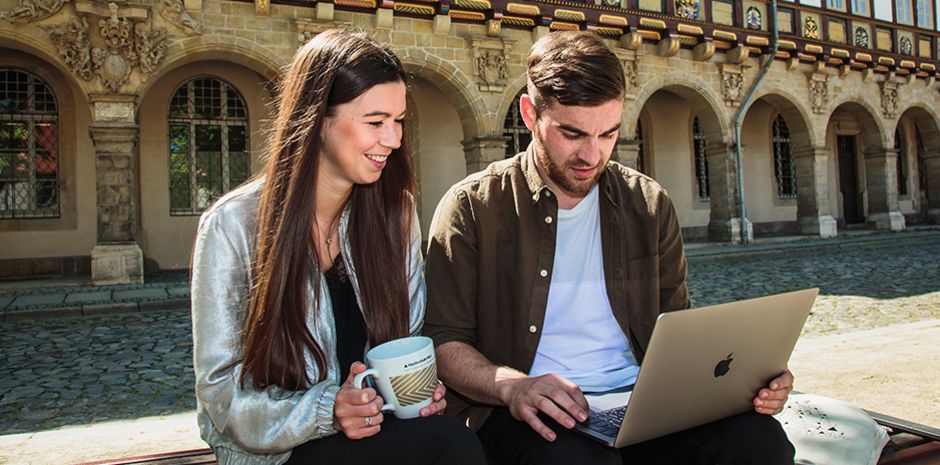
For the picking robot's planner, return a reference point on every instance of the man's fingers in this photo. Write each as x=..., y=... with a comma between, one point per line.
x=533, y=421
x=548, y=407
x=561, y=396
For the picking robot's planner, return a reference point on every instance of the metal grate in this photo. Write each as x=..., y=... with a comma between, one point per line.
x=701, y=164
x=208, y=144
x=29, y=152
x=640, y=148
x=784, y=167
x=514, y=128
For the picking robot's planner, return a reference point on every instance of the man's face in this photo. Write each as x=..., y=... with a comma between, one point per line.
x=572, y=144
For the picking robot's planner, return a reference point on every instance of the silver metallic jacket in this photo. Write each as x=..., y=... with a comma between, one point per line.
x=243, y=425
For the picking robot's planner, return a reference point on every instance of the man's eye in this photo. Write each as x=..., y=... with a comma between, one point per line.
x=570, y=136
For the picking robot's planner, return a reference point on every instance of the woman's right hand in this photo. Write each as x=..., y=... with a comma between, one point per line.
x=357, y=412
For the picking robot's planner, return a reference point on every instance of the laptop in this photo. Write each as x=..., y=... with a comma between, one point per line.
x=702, y=364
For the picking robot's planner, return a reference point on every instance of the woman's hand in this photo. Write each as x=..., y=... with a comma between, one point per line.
x=438, y=404
x=358, y=412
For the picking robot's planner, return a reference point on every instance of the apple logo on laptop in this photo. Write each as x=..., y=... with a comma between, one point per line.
x=723, y=366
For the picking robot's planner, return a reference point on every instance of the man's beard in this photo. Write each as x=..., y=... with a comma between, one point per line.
x=560, y=175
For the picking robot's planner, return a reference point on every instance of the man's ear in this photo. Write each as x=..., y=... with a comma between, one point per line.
x=527, y=111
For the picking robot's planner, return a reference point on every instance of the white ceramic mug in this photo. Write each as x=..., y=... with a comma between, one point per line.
x=405, y=373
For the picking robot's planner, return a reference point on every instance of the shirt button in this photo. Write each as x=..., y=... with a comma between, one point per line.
x=548, y=219
x=543, y=273
x=533, y=329
x=548, y=193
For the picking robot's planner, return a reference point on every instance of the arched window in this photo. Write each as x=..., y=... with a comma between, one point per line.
x=701, y=164
x=29, y=147
x=784, y=168
x=208, y=144
x=640, y=148
x=902, y=163
x=514, y=128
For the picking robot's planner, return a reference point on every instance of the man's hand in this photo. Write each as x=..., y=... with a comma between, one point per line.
x=553, y=395
x=357, y=412
x=771, y=399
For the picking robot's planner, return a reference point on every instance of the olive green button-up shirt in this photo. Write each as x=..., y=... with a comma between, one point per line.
x=491, y=253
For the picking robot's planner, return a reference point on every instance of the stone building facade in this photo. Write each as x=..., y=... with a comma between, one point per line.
x=120, y=122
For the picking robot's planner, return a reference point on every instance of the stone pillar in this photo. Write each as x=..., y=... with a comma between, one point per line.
x=932, y=165
x=812, y=191
x=627, y=152
x=117, y=258
x=725, y=224
x=480, y=151
x=881, y=172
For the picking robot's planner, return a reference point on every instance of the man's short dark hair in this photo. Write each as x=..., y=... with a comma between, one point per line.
x=573, y=68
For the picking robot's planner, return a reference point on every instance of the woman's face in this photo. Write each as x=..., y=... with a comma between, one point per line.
x=360, y=136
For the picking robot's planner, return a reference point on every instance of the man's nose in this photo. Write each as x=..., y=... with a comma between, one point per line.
x=590, y=152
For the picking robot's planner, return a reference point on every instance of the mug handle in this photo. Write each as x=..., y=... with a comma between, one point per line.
x=361, y=377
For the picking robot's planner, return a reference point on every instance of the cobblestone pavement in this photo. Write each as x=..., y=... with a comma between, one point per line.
x=56, y=372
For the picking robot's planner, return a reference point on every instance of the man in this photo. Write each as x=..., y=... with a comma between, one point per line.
x=546, y=273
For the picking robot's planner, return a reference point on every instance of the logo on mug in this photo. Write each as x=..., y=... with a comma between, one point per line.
x=415, y=387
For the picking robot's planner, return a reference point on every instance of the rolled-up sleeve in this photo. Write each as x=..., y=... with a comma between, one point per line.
x=452, y=272
x=267, y=421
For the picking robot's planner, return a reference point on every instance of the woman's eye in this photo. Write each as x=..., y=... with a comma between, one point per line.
x=375, y=124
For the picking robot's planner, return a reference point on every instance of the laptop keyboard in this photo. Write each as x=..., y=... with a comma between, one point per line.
x=606, y=422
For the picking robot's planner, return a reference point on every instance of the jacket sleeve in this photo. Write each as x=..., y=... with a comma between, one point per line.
x=416, y=284
x=452, y=272
x=673, y=292
x=268, y=421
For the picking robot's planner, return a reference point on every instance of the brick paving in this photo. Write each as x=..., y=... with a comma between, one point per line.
x=68, y=371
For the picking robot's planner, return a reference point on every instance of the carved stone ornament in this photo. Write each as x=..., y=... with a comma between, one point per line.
x=32, y=10
x=489, y=62
x=687, y=9
x=629, y=72
x=732, y=87
x=819, y=93
x=889, y=99
x=174, y=12
x=71, y=39
x=754, y=20
x=127, y=44
x=491, y=68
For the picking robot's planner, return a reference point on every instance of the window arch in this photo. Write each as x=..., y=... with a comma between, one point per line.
x=902, y=162
x=514, y=128
x=784, y=167
x=29, y=147
x=208, y=144
x=701, y=164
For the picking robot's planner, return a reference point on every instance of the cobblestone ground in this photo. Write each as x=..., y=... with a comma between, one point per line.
x=81, y=370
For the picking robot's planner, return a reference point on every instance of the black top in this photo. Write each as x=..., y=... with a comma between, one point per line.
x=351, y=334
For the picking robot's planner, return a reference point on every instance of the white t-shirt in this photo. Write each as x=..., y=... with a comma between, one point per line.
x=581, y=340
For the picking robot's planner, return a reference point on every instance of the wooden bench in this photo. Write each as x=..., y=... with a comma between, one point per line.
x=909, y=444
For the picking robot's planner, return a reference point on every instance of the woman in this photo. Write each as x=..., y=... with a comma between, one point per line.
x=297, y=273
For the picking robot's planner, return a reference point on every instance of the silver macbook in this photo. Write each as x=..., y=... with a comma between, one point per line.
x=702, y=364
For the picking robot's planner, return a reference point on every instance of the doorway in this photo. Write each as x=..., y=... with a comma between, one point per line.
x=848, y=180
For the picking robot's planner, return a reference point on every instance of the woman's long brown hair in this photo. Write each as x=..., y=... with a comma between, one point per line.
x=332, y=69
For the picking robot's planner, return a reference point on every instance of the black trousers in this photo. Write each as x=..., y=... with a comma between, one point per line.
x=748, y=438
x=435, y=440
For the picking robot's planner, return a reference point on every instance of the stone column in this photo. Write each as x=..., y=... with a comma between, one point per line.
x=627, y=152
x=881, y=173
x=725, y=224
x=117, y=258
x=812, y=191
x=932, y=165
x=480, y=151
